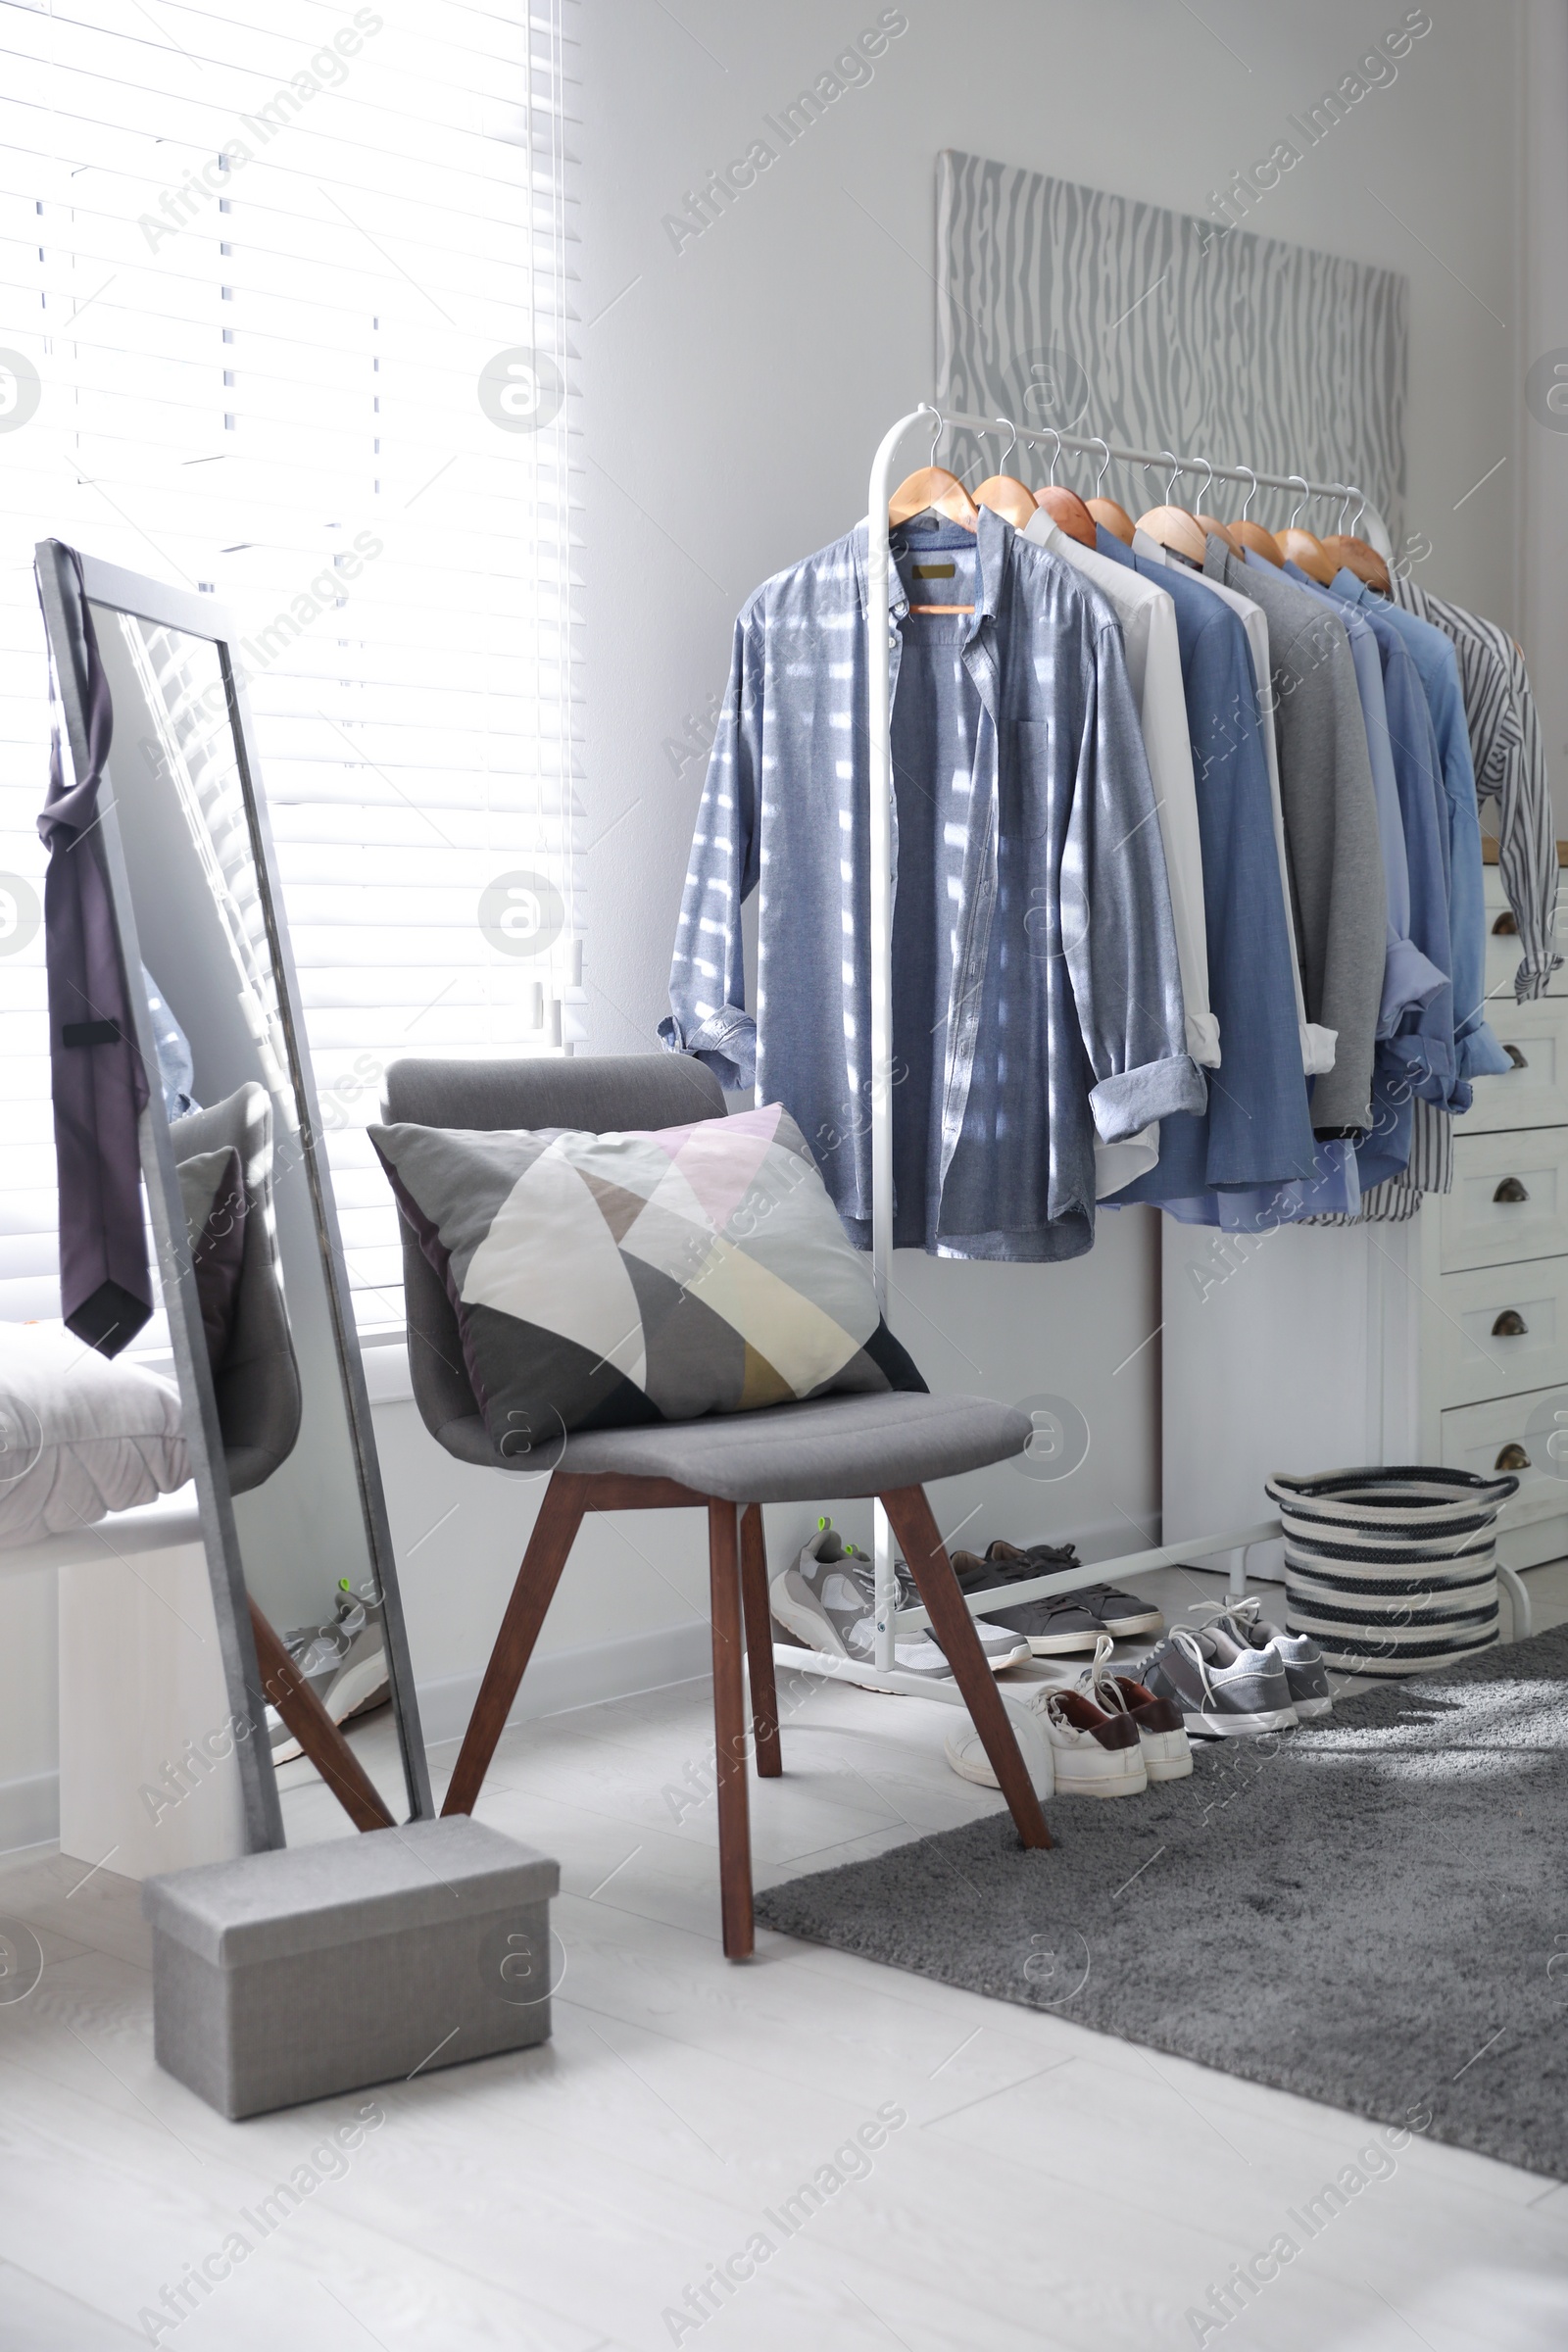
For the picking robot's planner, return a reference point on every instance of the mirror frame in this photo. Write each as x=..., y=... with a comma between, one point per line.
x=202, y=616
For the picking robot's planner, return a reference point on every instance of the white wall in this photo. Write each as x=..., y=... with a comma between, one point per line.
x=734, y=393
x=1543, y=280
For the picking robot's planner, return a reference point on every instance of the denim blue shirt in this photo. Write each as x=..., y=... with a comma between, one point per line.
x=1256, y=1130
x=1479, y=1054
x=1037, y=992
x=1422, y=1046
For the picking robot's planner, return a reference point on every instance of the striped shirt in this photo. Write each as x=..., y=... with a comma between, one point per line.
x=1510, y=764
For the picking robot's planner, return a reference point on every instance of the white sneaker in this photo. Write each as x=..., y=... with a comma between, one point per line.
x=1093, y=1753
x=828, y=1600
x=1161, y=1732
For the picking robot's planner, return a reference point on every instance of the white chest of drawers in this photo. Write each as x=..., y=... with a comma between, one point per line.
x=1493, y=1259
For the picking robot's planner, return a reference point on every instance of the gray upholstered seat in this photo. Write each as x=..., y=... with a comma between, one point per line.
x=836, y=1446
x=887, y=1445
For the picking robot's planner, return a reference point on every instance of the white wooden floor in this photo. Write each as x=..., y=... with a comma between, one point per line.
x=1051, y=2186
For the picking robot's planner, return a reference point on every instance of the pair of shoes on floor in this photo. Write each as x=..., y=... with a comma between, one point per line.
x=1063, y=1622
x=344, y=1661
x=1238, y=1675
x=827, y=1599
x=1109, y=1734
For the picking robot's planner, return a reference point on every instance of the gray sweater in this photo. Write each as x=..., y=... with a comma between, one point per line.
x=1331, y=827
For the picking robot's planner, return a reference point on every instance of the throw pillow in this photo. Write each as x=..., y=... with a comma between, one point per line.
x=604, y=1279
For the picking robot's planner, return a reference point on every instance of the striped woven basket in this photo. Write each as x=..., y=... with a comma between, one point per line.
x=1392, y=1572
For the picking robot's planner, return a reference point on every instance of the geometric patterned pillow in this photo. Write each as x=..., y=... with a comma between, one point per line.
x=604, y=1279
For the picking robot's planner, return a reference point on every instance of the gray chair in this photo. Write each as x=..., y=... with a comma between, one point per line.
x=885, y=1446
x=258, y=1384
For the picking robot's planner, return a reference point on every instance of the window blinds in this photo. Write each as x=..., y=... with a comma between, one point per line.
x=284, y=315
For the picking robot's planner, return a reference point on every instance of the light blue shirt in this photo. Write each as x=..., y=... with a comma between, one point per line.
x=1037, y=995
x=1476, y=1046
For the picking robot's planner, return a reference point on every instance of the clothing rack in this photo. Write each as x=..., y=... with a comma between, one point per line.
x=891, y=1621
x=1369, y=521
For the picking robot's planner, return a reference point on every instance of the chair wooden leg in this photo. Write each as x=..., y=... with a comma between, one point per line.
x=729, y=1730
x=286, y=1689
x=553, y=1533
x=916, y=1530
x=759, y=1644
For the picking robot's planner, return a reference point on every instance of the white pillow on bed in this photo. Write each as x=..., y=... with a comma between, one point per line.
x=80, y=1434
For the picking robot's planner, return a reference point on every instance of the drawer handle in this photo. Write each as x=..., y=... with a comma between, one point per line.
x=1516, y=1057
x=1510, y=1325
x=1510, y=1189
x=1513, y=1458
x=1506, y=926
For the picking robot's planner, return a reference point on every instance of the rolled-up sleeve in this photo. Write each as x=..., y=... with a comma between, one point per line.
x=707, y=1016
x=1117, y=931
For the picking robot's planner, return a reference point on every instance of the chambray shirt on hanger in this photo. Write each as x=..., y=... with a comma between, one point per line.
x=1256, y=1130
x=1037, y=991
x=1438, y=666
x=1421, y=1046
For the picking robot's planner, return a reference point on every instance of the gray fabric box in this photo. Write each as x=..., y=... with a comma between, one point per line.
x=317, y=1969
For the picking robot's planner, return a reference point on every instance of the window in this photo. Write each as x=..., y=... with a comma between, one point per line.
x=284, y=302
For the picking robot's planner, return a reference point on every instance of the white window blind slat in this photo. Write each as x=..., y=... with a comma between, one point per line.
x=269, y=389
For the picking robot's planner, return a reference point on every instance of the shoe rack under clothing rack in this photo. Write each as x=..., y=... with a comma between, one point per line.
x=891, y=1620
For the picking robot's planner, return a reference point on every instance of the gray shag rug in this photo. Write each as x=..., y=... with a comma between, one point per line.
x=1372, y=1912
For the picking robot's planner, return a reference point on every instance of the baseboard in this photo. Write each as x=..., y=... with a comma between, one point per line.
x=563, y=1679
x=29, y=1811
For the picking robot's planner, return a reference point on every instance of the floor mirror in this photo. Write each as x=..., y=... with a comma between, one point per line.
x=239, y=1196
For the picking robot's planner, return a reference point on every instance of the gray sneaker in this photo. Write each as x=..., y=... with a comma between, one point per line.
x=1061, y=1622
x=827, y=1599
x=1222, y=1689
x=1304, y=1671
x=344, y=1661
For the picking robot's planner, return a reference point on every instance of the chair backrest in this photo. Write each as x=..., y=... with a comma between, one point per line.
x=257, y=1383
x=616, y=1092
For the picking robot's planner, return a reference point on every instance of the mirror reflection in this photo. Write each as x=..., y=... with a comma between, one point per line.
x=236, y=1126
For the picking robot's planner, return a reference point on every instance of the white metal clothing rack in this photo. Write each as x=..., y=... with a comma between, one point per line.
x=891, y=1621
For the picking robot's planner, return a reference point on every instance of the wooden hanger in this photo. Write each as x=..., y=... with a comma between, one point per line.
x=1064, y=506
x=1304, y=549
x=1210, y=525
x=1175, y=528
x=1113, y=518
x=1069, y=513
x=1357, y=555
x=1253, y=534
x=1105, y=511
x=1307, y=552
x=933, y=486
x=1007, y=497
x=1244, y=534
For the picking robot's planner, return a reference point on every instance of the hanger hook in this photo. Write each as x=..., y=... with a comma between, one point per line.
x=1345, y=507
x=1104, y=462
x=1292, y=480
x=1209, y=465
x=937, y=432
x=1360, y=501
x=1056, y=452
x=1176, y=466
x=1011, y=445
x=1251, y=492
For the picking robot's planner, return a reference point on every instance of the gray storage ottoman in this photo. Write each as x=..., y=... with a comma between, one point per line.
x=316, y=1968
